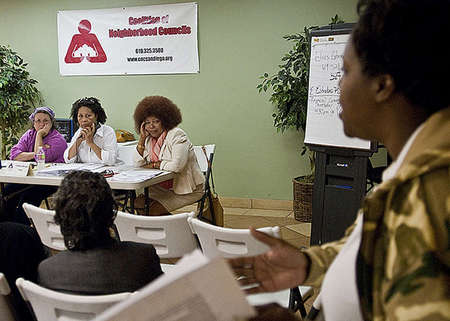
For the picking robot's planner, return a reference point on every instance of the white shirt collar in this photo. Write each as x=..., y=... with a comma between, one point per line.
x=99, y=131
x=391, y=171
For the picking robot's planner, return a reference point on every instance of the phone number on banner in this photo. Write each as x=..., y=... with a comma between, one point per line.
x=149, y=50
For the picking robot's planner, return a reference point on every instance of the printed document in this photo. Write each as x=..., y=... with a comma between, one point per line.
x=196, y=289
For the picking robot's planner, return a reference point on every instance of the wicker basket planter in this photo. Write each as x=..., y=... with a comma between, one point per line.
x=302, y=199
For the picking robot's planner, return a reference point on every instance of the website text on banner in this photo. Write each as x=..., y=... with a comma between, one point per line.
x=160, y=39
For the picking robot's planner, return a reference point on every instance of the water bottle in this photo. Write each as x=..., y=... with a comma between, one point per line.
x=40, y=158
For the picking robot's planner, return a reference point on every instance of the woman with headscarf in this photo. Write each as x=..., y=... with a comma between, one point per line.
x=41, y=134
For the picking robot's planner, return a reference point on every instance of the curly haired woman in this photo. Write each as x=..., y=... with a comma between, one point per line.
x=93, y=142
x=95, y=263
x=162, y=145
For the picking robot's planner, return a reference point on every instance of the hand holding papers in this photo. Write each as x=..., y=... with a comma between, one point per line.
x=196, y=289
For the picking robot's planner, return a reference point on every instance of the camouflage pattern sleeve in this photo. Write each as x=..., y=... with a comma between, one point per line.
x=415, y=282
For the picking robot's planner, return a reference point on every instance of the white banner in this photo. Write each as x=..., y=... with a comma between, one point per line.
x=159, y=39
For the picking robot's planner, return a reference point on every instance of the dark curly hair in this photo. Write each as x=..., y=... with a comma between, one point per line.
x=406, y=39
x=93, y=104
x=85, y=209
x=160, y=107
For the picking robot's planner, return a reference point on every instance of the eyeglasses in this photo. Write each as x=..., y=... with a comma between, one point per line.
x=38, y=121
x=153, y=122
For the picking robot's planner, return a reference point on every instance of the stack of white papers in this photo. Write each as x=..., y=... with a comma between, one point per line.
x=122, y=173
x=61, y=169
x=15, y=168
x=196, y=289
x=136, y=175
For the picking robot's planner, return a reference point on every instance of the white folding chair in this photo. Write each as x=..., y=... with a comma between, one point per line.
x=49, y=305
x=169, y=234
x=205, y=164
x=44, y=223
x=125, y=152
x=6, y=309
x=227, y=242
x=201, y=159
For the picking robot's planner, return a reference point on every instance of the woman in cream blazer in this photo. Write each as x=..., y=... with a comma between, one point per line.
x=164, y=146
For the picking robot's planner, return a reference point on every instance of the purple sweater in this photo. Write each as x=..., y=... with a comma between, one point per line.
x=53, y=154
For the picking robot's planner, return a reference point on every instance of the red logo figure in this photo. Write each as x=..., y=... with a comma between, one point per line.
x=85, y=45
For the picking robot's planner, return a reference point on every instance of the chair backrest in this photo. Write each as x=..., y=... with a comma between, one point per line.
x=201, y=159
x=49, y=305
x=169, y=234
x=6, y=312
x=48, y=230
x=227, y=242
x=126, y=151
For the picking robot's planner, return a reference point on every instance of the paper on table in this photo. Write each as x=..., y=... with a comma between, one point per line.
x=15, y=168
x=196, y=289
x=136, y=175
x=59, y=169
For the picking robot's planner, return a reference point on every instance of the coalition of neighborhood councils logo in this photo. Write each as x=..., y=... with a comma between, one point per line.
x=85, y=45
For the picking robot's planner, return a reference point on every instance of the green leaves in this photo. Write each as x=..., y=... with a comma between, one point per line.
x=289, y=99
x=18, y=95
x=289, y=85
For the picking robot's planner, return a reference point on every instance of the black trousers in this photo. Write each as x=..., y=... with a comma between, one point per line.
x=16, y=195
x=21, y=251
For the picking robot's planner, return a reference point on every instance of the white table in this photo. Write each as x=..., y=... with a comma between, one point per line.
x=114, y=183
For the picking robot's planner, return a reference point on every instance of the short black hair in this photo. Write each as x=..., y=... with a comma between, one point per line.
x=85, y=209
x=93, y=104
x=407, y=40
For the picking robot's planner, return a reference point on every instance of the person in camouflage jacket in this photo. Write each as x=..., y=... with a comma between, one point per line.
x=394, y=90
x=404, y=260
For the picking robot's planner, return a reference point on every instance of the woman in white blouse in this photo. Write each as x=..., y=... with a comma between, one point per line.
x=162, y=145
x=93, y=142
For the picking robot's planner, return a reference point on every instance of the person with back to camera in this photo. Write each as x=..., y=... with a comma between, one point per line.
x=21, y=251
x=41, y=134
x=164, y=146
x=93, y=142
x=394, y=261
x=94, y=263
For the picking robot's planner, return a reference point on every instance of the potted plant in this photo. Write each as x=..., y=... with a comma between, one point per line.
x=290, y=99
x=18, y=94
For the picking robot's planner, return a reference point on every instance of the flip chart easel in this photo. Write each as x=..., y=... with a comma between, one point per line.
x=341, y=161
x=323, y=125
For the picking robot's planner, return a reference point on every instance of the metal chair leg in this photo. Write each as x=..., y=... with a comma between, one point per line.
x=296, y=302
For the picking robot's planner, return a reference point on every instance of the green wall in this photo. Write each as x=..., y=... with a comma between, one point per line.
x=238, y=41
